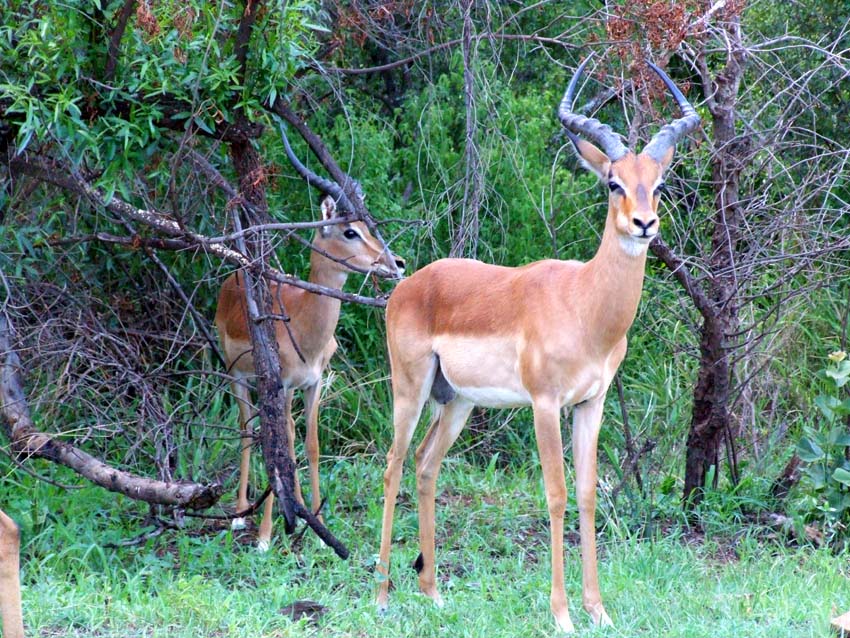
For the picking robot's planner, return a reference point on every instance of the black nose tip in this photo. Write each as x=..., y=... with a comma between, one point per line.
x=644, y=227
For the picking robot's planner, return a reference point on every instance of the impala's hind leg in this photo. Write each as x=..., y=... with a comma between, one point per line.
x=411, y=384
x=443, y=432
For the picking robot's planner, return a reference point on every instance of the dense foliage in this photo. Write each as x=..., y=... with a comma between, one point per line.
x=115, y=334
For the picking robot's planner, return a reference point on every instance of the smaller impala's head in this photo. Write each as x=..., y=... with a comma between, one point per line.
x=635, y=181
x=350, y=241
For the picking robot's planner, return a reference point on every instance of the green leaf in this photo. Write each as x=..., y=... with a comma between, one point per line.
x=840, y=373
x=808, y=450
x=838, y=435
x=817, y=475
x=842, y=476
x=202, y=125
x=828, y=405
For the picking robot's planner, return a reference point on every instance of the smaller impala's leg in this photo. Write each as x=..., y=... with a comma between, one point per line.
x=442, y=433
x=312, y=396
x=410, y=391
x=587, y=419
x=547, y=429
x=10, y=579
x=243, y=400
x=290, y=429
x=264, y=535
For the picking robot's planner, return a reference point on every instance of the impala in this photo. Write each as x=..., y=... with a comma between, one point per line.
x=546, y=335
x=308, y=344
x=10, y=580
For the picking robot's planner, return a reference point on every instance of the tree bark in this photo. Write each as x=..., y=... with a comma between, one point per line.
x=711, y=417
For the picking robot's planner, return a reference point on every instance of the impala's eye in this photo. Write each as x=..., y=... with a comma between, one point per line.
x=661, y=188
x=350, y=234
x=614, y=187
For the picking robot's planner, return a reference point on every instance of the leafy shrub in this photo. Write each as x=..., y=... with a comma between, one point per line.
x=825, y=451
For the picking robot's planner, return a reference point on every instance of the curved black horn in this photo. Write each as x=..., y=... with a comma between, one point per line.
x=589, y=127
x=671, y=133
x=328, y=187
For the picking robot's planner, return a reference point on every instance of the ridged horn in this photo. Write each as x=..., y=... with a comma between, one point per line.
x=328, y=187
x=591, y=128
x=671, y=133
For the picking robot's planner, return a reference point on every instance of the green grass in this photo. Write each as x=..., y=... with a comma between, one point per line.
x=493, y=567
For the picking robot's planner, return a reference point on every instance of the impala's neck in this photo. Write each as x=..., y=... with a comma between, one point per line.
x=320, y=313
x=614, y=278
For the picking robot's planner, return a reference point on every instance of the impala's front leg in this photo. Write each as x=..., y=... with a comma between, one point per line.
x=311, y=443
x=587, y=419
x=243, y=400
x=547, y=428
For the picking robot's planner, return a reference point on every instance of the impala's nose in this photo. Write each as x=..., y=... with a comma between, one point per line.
x=644, y=226
x=390, y=266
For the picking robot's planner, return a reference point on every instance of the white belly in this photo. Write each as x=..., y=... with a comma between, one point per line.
x=494, y=397
x=484, y=371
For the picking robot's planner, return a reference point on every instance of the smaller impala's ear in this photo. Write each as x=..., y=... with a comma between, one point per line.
x=591, y=157
x=328, y=213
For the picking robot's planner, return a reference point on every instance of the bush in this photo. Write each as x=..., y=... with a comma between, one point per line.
x=824, y=450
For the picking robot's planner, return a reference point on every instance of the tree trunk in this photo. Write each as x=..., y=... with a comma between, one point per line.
x=711, y=417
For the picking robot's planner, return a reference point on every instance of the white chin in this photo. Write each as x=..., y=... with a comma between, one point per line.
x=634, y=246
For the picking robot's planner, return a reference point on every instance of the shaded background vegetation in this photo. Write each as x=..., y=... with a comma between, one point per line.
x=453, y=136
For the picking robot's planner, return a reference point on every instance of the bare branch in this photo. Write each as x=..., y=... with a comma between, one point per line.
x=163, y=224
x=27, y=442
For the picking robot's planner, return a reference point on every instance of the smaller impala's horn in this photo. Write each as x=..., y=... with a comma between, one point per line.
x=671, y=133
x=327, y=186
x=588, y=127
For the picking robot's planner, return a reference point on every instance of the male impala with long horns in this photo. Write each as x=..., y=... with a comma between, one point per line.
x=547, y=335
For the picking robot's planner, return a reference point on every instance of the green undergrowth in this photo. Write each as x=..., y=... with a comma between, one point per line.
x=723, y=578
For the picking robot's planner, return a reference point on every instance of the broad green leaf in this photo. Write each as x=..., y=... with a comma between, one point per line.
x=808, y=450
x=817, y=475
x=840, y=373
x=827, y=405
x=842, y=476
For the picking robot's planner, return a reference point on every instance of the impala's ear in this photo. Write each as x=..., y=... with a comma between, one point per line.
x=592, y=158
x=328, y=208
x=328, y=213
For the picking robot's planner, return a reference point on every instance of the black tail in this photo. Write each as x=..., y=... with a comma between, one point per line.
x=441, y=390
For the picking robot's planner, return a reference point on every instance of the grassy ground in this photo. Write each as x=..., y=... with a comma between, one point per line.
x=493, y=564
